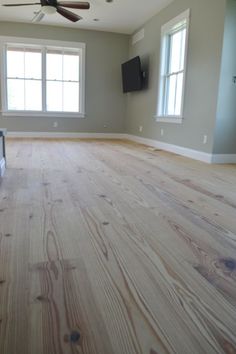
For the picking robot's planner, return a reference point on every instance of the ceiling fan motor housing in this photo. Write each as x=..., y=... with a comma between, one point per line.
x=49, y=3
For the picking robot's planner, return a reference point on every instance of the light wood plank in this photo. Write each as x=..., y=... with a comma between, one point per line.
x=111, y=247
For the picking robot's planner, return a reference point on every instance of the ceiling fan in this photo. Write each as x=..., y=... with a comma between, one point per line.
x=53, y=6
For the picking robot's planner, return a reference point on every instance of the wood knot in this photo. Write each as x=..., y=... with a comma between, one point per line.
x=58, y=201
x=45, y=183
x=152, y=351
x=105, y=223
x=102, y=196
x=230, y=264
x=41, y=298
x=2, y=281
x=74, y=337
x=8, y=235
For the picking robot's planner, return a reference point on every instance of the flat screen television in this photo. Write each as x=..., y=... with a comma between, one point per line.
x=132, y=75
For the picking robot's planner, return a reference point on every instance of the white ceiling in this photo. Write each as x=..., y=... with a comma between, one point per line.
x=122, y=16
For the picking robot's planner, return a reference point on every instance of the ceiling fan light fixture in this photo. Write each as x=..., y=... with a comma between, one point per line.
x=48, y=10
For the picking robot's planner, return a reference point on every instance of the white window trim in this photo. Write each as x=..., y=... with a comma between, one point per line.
x=44, y=43
x=165, y=30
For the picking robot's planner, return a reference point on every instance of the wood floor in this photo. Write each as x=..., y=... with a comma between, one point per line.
x=115, y=248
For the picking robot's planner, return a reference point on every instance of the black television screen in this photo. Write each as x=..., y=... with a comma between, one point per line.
x=132, y=75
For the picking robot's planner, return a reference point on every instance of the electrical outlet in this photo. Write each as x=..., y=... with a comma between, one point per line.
x=162, y=132
x=55, y=124
x=140, y=128
x=205, y=139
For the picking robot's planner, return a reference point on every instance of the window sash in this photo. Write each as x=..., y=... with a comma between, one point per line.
x=182, y=50
x=167, y=92
x=63, y=52
x=63, y=102
x=26, y=92
x=25, y=50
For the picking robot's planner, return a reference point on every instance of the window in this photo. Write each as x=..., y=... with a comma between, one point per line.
x=42, y=80
x=173, y=69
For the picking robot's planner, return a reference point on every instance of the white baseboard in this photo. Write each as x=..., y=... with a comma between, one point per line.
x=193, y=154
x=54, y=135
x=224, y=159
x=2, y=166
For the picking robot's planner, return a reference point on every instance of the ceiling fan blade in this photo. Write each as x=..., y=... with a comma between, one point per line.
x=38, y=17
x=68, y=14
x=27, y=4
x=82, y=5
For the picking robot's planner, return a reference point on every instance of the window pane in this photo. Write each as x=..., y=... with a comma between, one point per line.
x=171, y=89
x=71, y=97
x=71, y=67
x=54, y=66
x=179, y=91
x=33, y=65
x=174, y=94
x=177, y=51
x=15, y=94
x=182, y=57
x=54, y=96
x=15, y=64
x=33, y=95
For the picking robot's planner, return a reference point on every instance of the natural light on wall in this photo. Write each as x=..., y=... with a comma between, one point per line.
x=173, y=68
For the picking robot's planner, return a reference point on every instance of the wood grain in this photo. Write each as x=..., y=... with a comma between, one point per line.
x=110, y=247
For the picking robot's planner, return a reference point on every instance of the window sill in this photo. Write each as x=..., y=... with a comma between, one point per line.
x=169, y=119
x=30, y=114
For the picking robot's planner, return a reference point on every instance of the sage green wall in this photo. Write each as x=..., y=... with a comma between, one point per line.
x=225, y=132
x=203, y=72
x=105, y=102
